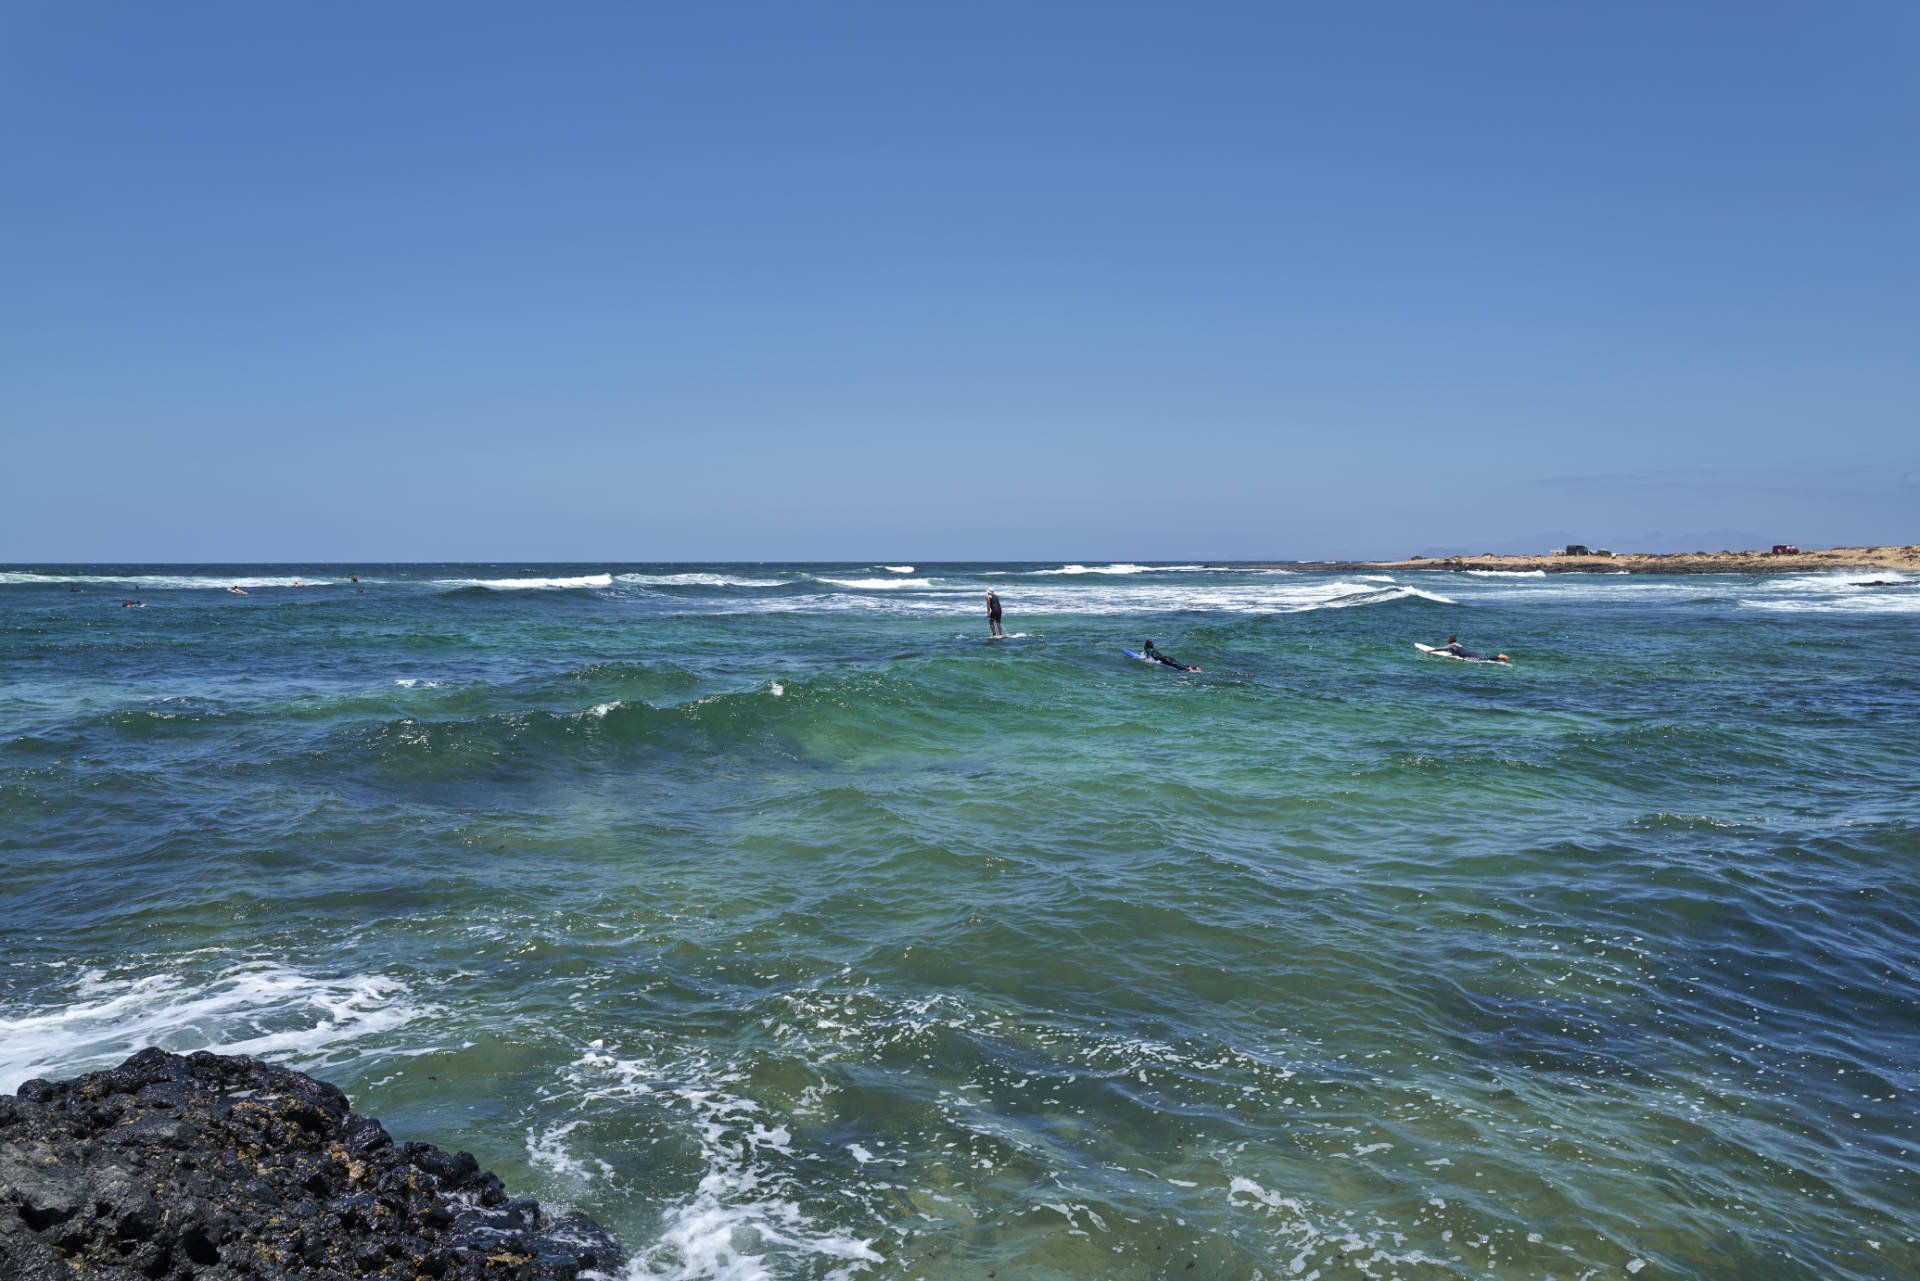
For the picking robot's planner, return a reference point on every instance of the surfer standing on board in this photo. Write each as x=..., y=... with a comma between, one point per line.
x=993, y=614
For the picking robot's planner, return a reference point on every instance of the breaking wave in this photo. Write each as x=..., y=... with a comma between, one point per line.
x=697, y=580
x=256, y=1007
x=1121, y=568
x=521, y=584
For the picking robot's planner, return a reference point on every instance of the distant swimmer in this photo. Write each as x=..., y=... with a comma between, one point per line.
x=1152, y=655
x=238, y=591
x=1453, y=648
x=133, y=604
x=353, y=578
x=993, y=615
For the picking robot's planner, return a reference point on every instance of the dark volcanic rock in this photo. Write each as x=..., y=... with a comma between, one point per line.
x=210, y=1166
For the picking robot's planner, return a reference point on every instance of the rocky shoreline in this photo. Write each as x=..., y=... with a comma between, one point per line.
x=1864, y=560
x=213, y=1166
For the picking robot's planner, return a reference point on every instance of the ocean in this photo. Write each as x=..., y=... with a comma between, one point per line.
x=778, y=919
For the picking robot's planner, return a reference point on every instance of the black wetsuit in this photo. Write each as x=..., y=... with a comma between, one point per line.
x=1461, y=651
x=993, y=609
x=1158, y=657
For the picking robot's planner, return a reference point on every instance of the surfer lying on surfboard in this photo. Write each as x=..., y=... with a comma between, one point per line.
x=1457, y=650
x=1152, y=655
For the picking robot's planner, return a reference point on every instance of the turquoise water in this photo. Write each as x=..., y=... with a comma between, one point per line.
x=791, y=928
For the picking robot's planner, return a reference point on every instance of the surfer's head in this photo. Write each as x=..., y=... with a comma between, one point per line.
x=1453, y=640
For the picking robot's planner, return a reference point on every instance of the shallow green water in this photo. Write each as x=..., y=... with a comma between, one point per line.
x=785, y=924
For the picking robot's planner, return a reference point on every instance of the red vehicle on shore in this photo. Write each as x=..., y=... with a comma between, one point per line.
x=1784, y=549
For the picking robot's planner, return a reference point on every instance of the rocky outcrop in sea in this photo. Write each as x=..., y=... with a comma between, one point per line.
x=213, y=1166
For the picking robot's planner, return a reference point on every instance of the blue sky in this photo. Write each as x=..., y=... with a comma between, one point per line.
x=362, y=281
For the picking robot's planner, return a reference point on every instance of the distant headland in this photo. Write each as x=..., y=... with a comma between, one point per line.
x=1581, y=560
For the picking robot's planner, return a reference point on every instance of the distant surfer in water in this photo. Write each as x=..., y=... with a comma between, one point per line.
x=238, y=591
x=1454, y=647
x=1147, y=651
x=993, y=615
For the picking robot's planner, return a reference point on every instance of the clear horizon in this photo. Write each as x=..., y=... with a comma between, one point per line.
x=903, y=558
x=454, y=283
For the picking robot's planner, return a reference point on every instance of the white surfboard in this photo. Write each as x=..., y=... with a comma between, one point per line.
x=1441, y=653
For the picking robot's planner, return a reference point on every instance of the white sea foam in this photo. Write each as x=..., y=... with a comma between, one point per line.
x=1303, y=1231
x=1507, y=573
x=258, y=1007
x=873, y=583
x=584, y=580
x=412, y=682
x=697, y=580
x=1800, y=593
x=1864, y=602
x=1121, y=568
x=898, y=569
x=1845, y=583
x=1376, y=578
x=548, y=1148
x=1107, y=598
x=744, y=1220
x=1582, y=587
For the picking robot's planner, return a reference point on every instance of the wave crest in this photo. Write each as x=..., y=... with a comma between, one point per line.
x=527, y=584
x=1123, y=567
x=697, y=580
